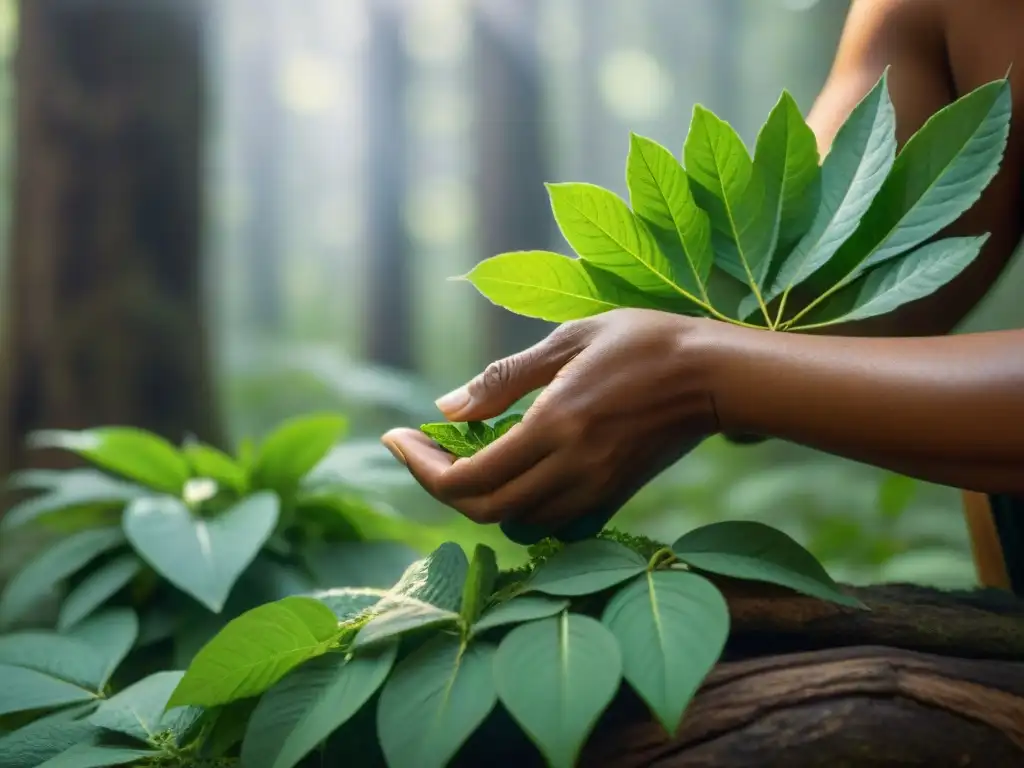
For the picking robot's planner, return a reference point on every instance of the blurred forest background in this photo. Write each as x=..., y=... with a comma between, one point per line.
x=216, y=214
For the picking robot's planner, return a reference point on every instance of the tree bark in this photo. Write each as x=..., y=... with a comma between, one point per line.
x=104, y=317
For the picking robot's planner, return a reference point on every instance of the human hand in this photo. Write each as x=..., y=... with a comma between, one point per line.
x=628, y=393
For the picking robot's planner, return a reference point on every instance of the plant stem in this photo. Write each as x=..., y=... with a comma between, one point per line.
x=664, y=556
x=782, y=308
x=839, y=284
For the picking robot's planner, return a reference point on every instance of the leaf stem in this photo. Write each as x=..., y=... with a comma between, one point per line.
x=782, y=307
x=663, y=557
x=838, y=285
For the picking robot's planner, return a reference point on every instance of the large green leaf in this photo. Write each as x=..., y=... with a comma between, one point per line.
x=659, y=191
x=309, y=704
x=602, y=229
x=852, y=173
x=438, y=579
x=519, y=610
x=70, y=491
x=201, y=556
x=25, y=689
x=586, y=567
x=555, y=677
x=671, y=628
x=293, y=449
x=49, y=568
x=139, y=710
x=748, y=550
x=256, y=650
x=552, y=287
x=111, y=633
x=207, y=461
x=98, y=587
x=63, y=658
x=91, y=756
x=127, y=451
x=402, y=616
x=483, y=572
x=34, y=744
x=434, y=701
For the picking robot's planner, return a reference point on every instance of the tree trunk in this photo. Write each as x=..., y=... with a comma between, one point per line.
x=104, y=321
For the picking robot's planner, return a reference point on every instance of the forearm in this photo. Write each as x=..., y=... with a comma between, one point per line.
x=945, y=409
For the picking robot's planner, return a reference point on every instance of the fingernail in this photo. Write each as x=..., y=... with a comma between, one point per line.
x=454, y=402
x=396, y=452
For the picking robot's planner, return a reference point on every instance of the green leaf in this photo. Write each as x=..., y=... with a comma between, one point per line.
x=483, y=572
x=126, y=451
x=71, y=490
x=910, y=277
x=207, y=461
x=552, y=287
x=519, y=610
x=852, y=173
x=754, y=551
x=786, y=154
x=201, y=556
x=96, y=588
x=64, y=658
x=671, y=627
x=586, y=567
x=602, y=230
x=111, y=633
x=26, y=689
x=434, y=701
x=504, y=425
x=91, y=756
x=456, y=438
x=293, y=449
x=659, y=191
x=401, y=617
x=138, y=710
x=940, y=173
x=437, y=579
x=555, y=677
x=49, y=568
x=256, y=650
x=349, y=602
x=35, y=743
x=727, y=185
x=309, y=704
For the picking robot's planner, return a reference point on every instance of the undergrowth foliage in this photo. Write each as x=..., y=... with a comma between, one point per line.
x=405, y=676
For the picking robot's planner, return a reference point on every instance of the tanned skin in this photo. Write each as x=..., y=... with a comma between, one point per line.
x=631, y=391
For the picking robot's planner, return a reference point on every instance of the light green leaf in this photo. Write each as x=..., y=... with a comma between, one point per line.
x=309, y=704
x=552, y=287
x=602, y=230
x=70, y=491
x=748, y=550
x=727, y=185
x=293, y=449
x=462, y=439
x=910, y=277
x=400, y=617
x=256, y=650
x=26, y=689
x=519, y=610
x=35, y=743
x=437, y=579
x=940, y=173
x=349, y=602
x=786, y=154
x=49, y=568
x=91, y=756
x=207, y=461
x=556, y=677
x=852, y=173
x=671, y=627
x=64, y=658
x=138, y=710
x=201, y=556
x=585, y=567
x=96, y=588
x=483, y=572
x=659, y=191
x=111, y=633
x=434, y=701
x=126, y=451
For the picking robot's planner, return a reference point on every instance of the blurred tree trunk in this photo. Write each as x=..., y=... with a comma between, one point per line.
x=389, y=314
x=514, y=213
x=104, y=321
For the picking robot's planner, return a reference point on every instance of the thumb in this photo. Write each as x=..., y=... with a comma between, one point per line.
x=505, y=381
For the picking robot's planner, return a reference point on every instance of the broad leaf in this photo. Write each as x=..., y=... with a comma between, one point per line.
x=754, y=551
x=34, y=744
x=111, y=633
x=586, y=567
x=201, y=556
x=139, y=710
x=671, y=628
x=483, y=572
x=602, y=230
x=49, y=568
x=293, y=449
x=659, y=191
x=309, y=704
x=434, y=701
x=25, y=689
x=207, y=461
x=462, y=439
x=437, y=579
x=70, y=491
x=552, y=287
x=126, y=451
x=63, y=658
x=852, y=173
x=256, y=650
x=91, y=756
x=400, y=617
x=96, y=588
x=555, y=677
x=349, y=602
x=519, y=610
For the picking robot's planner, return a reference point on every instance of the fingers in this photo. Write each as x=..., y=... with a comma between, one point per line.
x=505, y=381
